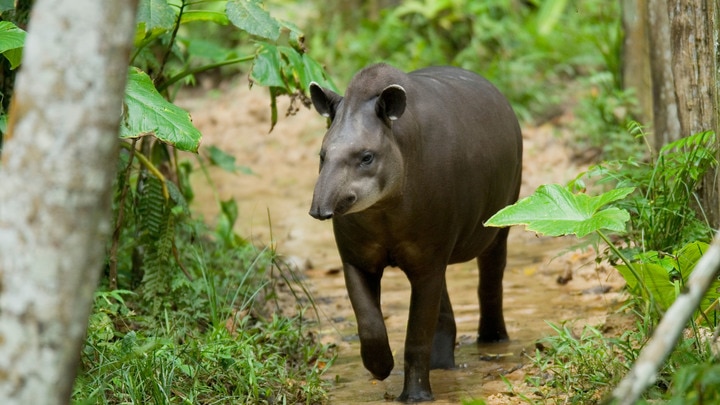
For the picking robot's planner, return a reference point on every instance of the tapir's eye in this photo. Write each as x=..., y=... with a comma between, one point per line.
x=367, y=158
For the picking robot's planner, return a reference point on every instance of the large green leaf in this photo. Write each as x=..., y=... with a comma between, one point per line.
x=12, y=40
x=553, y=210
x=250, y=16
x=148, y=113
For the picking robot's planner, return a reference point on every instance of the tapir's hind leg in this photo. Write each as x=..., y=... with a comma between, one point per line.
x=490, y=292
x=443, y=348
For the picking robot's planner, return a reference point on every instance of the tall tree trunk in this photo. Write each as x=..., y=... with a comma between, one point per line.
x=636, y=56
x=665, y=115
x=693, y=28
x=57, y=170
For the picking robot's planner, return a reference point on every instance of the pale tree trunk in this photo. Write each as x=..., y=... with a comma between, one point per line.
x=57, y=169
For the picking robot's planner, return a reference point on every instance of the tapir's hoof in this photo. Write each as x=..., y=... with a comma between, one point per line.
x=492, y=335
x=493, y=339
x=422, y=396
x=380, y=370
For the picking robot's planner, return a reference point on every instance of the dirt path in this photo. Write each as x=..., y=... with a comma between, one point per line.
x=285, y=163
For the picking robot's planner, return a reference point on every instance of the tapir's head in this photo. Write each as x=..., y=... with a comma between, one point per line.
x=360, y=161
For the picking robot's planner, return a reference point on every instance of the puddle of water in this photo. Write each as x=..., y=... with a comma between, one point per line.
x=531, y=298
x=285, y=163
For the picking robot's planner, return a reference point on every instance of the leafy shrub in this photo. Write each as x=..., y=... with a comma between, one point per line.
x=665, y=210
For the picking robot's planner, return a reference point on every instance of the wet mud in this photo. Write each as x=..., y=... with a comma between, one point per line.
x=273, y=204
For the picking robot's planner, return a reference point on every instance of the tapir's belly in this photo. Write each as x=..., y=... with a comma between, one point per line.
x=382, y=240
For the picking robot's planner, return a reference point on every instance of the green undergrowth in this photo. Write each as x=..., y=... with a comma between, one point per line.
x=644, y=217
x=214, y=337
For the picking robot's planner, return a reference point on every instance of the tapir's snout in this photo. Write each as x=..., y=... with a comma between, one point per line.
x=327, y=209
x=320, y=214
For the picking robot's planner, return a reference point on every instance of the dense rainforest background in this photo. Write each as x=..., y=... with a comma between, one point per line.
x=186, y=309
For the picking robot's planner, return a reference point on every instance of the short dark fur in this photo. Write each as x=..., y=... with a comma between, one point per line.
x=409, y=175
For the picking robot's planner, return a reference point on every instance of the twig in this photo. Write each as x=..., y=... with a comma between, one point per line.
x=112, y=267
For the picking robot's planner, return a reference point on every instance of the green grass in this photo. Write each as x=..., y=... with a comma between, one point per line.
x=214, y=340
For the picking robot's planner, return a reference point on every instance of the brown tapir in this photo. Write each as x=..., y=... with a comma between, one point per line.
x=410, y=167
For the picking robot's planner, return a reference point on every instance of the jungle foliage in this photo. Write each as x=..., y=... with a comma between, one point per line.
x=177, y=318
x=652, y=226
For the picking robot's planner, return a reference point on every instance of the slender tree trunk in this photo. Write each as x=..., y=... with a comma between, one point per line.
x=57, y=169
x=636, y=56
x=665, y=115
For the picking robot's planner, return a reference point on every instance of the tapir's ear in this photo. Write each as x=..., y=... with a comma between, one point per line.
x=324, y=100
x=391, y=103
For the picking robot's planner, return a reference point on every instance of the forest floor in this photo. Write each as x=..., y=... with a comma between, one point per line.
x=273, y=209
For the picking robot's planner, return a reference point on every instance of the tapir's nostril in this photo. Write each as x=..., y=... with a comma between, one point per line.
x=319, y=214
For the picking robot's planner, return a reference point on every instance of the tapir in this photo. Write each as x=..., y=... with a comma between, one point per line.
x=411, y=166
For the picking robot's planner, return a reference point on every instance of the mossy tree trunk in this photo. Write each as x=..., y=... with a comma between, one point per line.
x=56, y=172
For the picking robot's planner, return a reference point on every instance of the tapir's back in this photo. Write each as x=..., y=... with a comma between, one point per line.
x=469, y=149
x=466, y=110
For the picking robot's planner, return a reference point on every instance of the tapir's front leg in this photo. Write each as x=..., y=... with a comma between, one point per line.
x=364, y=291
x=427, y=287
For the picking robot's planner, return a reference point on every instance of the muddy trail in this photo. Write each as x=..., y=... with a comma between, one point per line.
x=273, y=208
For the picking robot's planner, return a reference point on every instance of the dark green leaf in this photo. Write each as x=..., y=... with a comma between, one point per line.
x=250, y=16
x=657, y=280
x=315, y=73
x=226, y=162
x=297, y=38
x=7, y=5
x=552, y=210
x=204, y=15
x=266, y=70
x=689, y=255
x=14, y=56
x=12, y=40
x=208, y=49
x=147, y=112
x=294, y=65
x=156, y=15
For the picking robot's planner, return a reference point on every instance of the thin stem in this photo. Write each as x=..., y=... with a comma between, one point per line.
x=169, y=82
x=113, y=261
x=151, y=167
x=630, y=267
x=165, y=57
